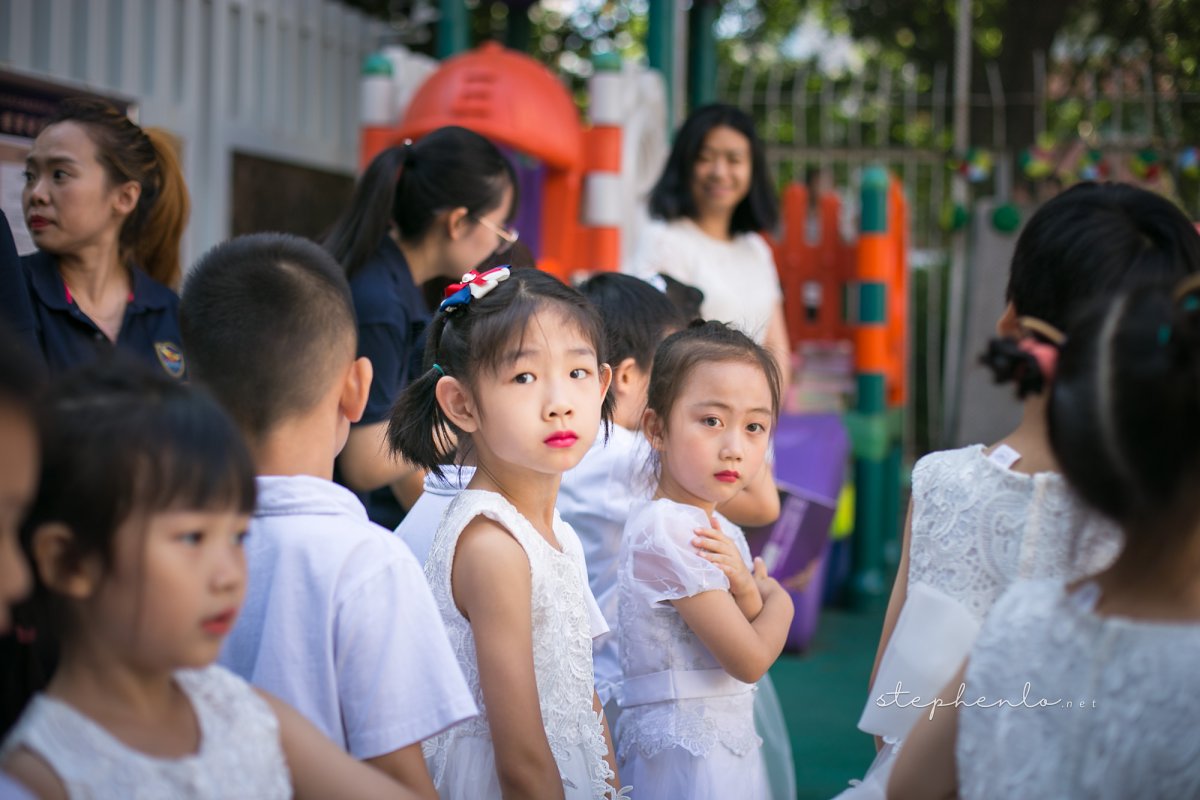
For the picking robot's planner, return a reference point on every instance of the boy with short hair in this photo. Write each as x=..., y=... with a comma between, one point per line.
x=338, y=619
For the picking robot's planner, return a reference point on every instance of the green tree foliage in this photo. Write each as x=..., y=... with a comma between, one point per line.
x=1093, y=41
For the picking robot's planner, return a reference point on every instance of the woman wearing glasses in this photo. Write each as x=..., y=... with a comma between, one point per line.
x=423, y=210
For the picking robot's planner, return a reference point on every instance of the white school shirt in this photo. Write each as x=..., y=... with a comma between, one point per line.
x=596, y=498
x=339, y=622
x=738, y=277
x=419, y=525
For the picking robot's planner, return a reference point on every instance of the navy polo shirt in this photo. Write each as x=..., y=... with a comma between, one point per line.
x=15, y=307
x=392, y=320
x=67, y=336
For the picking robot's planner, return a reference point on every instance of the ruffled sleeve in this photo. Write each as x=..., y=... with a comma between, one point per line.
x=664, y=564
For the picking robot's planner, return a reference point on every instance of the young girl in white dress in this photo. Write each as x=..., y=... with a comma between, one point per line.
x=518, y=382
x=697, y=626
x=983, y=517
x=1087, y=688
x=136, y=539
x=613, y=479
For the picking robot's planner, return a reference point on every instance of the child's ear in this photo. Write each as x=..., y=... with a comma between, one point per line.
x=356, y=388
x=606, y=379
x=1007, y=324
x=624, y=374
x=457, y=403
x=652, y=428
x=57, y=566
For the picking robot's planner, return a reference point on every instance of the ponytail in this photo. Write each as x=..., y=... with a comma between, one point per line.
x=410, y=185
x=150, y=234
x=156, y=247
x=361, y=227
x=1124, y=415
x=1029, y=360
x=419, y=431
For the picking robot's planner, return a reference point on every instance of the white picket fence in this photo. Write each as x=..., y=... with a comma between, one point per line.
x=277, y=79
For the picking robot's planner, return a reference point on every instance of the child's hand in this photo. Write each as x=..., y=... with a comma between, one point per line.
x=720, y=550
x=765, y=583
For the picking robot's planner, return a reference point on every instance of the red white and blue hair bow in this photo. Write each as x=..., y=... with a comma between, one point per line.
x=473, y=286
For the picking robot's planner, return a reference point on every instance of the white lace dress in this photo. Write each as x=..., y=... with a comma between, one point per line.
x=977, y=527
x=1125, y=722
x=240, y=754
x=687, y=727
x=462, y=761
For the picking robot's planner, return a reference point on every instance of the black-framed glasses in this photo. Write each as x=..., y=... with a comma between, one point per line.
x=508, y=236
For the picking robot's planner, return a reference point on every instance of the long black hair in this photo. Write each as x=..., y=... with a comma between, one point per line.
x=1124, y=413
x=474, y=339
x=1089, y=242
x=409, y=185
x=671, y=198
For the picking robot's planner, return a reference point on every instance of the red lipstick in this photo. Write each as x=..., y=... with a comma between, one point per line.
x=36, y=223
x=220, y=624
x=561, y=439
x=728, y=476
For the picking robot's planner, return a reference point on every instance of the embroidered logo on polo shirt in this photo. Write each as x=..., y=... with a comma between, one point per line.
x=171, y=358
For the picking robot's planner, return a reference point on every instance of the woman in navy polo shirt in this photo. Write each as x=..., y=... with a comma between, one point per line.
x=105, y=203
x=434, y=208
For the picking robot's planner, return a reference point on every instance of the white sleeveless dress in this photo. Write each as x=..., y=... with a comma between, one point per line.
x=240, y=753
x=461, y=760
x=687, y=726
x=977, y=527
x=1125, y=721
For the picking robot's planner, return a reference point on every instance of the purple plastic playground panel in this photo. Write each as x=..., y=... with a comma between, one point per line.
x=531, y=178
x=810, y=455
x=810, y=467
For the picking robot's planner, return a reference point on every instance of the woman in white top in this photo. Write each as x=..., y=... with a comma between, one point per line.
x=710, y=203
x=1086, y=688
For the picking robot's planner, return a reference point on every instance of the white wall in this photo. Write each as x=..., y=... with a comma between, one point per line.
x=273, y=78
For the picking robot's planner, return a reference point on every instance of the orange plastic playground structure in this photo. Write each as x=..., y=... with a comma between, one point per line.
x=816, y=277
x=518, y=103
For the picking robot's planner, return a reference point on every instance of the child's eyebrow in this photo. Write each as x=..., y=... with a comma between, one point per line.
x=513, y=356
x=717, y=404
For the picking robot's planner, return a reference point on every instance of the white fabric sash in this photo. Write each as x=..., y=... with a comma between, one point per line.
x=671, y=684
x=932, y=637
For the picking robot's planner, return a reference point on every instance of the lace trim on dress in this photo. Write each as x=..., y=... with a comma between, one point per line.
x=562, y=645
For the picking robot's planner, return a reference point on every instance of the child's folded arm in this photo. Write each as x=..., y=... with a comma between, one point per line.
x=744, y=649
